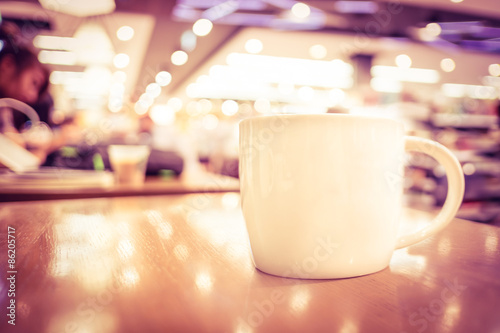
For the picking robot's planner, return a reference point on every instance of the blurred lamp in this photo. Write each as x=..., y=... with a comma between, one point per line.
x=80, y=8
x=447, y=65
x=179, y=58
x=494, y=69
x=253, y=46
x=202, y=27
x=92, y=44
x=317, y=51
x=301, y=10
x=163, y=78
x=162, y=114
x=125, y=33
x=433, y=29
x=188, y=41
x=175, y=103
x=403, y=61
x=121, y=60
x=229, y=107
x=153, y=89
x=210, y=122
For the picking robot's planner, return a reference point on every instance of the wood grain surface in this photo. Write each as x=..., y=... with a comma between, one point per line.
x=182, y=263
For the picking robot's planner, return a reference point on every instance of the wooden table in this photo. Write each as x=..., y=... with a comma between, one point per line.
x=181, y=263
x=154, y=185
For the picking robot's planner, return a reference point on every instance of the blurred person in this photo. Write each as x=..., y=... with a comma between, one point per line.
x=24, y=78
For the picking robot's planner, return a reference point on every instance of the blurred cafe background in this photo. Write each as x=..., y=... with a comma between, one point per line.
x=180, y=75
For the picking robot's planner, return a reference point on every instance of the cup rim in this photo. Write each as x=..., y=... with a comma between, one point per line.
x=320, y=115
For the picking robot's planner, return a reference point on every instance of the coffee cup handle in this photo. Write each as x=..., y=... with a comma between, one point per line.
x=456, y=186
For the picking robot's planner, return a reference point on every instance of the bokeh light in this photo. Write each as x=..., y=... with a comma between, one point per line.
x=229, y=107
x=403, y=61
x=254, y=46
x=125, y=33
x=202, y=27
x=318, y=51
x=121, y=60
x=179, y=58
x=301, y=10
x=494, y=69
x=163, y=78
x=447, y=65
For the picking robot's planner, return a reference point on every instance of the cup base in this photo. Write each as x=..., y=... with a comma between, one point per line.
x=295, y=273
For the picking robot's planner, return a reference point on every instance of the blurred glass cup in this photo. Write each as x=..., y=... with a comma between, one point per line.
x=129, y=163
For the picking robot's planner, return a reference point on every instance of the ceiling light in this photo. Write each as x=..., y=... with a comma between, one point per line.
x=193, y=90
x=271, y=69
x=301, y=10
x=306, y=94
x=163, y=78
x=61, y=77
x=162, y=115
x=54, y=43
x=493, y=81
x=179, y=58
x=229, y=107
x=194, y=109
x=420, y=75
x=146, y=99
x=253, y=46
x=141, y=108
x=93, y=45
x=447, y=65
x=453, y=90
x=494, y=69
x=286, y=88
x=57, y=57
x=206, y=105
x=317, y=51
x=188, y=41
x=119, y=76
x=262, y=105
x=175, y=103
x=202, y=27
x=403, y=61
x=80, y=8
x=121, y=60
x=210, y=122
x=115, y=105
x=125, y=33
x=433, y=29
x=469, y=90
x=153, y=89
x=117, y=89
x=203, y=79
x=381, y=84
x=483, y=92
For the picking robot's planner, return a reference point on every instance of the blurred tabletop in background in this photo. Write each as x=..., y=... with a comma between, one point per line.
x=101, y=184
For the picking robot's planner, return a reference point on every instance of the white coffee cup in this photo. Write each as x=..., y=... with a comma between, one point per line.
x=129, y=163
x=322, y=194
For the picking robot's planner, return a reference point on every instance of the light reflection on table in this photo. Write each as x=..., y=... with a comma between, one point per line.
x=182, y=263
